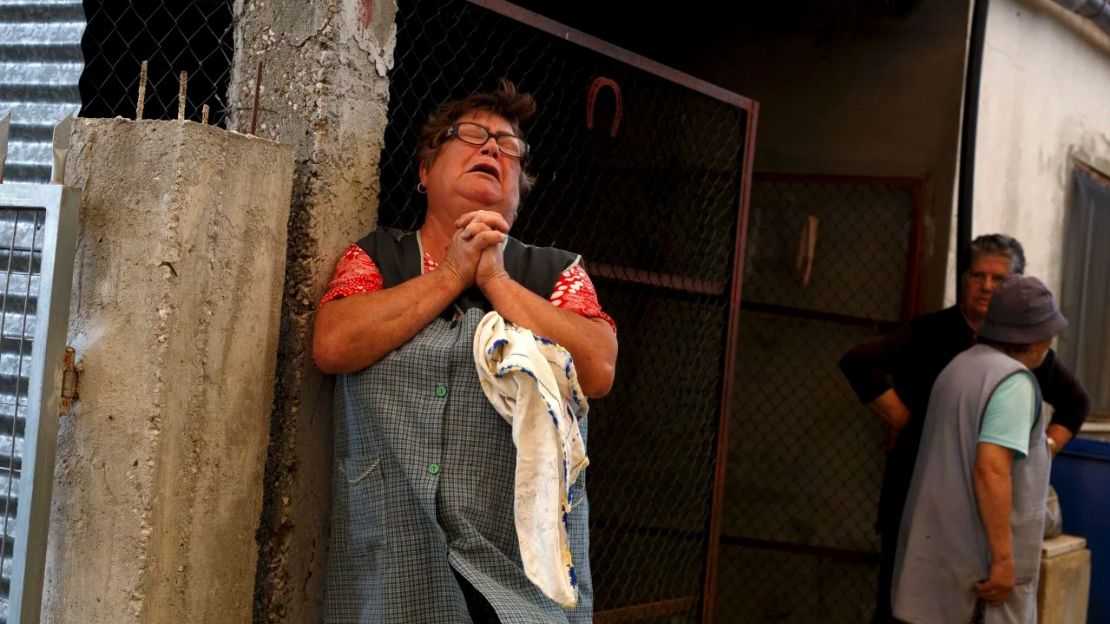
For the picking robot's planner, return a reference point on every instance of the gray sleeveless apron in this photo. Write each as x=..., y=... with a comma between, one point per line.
x=942, y=548
x=423, y=473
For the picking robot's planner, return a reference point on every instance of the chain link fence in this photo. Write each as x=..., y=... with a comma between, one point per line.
x=650, y=197
x=195, y=36
x=805, y=463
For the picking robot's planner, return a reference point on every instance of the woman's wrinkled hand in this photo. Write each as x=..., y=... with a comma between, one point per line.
x=476, y=232
x=491, y=266
x=996, y=589
x=492, y=220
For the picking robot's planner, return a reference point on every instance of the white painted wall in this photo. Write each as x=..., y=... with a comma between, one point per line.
x=1044, y=101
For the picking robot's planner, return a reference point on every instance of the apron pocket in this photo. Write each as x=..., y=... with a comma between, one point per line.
x=358, y=500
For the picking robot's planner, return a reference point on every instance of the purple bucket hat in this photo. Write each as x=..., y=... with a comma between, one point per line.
x=1022, y=311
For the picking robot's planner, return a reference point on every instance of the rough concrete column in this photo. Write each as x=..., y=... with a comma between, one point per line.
x=325, y=90
x=175, y=316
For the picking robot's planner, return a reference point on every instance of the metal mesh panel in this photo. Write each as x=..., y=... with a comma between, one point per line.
x=653, y=210
x=853, y=276
x=195, y=36
x=805, y=459
x=20, y=264
x=652, y=445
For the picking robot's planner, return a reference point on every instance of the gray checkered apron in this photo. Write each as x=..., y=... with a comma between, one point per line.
x=423, y=490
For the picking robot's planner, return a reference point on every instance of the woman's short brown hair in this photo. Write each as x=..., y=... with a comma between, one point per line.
x=506, y=101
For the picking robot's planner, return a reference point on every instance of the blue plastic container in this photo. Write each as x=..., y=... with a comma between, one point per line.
x=1081, y=476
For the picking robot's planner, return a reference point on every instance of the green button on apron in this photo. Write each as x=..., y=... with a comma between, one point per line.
x=433, y=469
x=441, y=391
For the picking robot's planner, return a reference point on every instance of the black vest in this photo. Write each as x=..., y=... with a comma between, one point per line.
x=397, y=255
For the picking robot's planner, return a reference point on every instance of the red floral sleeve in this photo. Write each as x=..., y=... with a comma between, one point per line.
x=574, y=291
x=354, y=273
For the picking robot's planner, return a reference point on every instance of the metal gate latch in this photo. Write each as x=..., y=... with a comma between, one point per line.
x=69, y=380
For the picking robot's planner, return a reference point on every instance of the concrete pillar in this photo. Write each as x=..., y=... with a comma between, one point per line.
x=324, y=90
x=175, y=315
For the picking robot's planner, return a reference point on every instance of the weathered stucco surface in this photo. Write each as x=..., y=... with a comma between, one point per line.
x=1044, y=101
x=174, y=319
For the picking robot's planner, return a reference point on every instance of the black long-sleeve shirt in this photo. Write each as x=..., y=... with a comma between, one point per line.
x=909, y=361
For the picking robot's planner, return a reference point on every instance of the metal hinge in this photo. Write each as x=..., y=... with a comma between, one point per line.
x=69, y=381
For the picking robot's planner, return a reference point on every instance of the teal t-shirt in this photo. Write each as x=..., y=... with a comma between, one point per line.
x=1010, y=414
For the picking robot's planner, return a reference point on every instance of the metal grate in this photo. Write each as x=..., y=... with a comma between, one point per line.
x=652, y=203
x=805, y=459
x=40, y=63
x=195, y=36
x=853, y=276
x=21, y=241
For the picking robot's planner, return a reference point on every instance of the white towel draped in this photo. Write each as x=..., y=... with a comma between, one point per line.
x=532, y=383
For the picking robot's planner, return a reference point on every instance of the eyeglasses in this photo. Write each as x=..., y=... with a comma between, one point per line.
x=477, y=134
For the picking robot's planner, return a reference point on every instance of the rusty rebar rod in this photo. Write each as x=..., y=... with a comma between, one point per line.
x=182, y=87
x=142, y=92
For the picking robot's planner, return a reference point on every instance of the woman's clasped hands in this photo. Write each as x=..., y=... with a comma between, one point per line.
x=476, y=251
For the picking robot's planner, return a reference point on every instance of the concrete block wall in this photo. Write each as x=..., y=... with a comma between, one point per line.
x=1065, y=581
x=175, y=316
x=325, y=91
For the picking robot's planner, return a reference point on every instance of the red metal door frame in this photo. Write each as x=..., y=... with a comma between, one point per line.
x=751, y=109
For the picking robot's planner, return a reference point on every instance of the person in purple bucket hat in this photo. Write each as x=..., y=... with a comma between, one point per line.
x=894, y=375
x=973, y=525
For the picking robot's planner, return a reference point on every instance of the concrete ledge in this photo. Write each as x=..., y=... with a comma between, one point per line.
x=1062, y=545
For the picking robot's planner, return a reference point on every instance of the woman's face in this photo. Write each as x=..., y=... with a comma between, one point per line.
x=467, y=177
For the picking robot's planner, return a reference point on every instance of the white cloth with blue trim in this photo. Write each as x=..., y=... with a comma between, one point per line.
x=532, y=383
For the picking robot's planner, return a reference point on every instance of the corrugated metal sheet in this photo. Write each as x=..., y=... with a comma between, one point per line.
x=40, y=63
